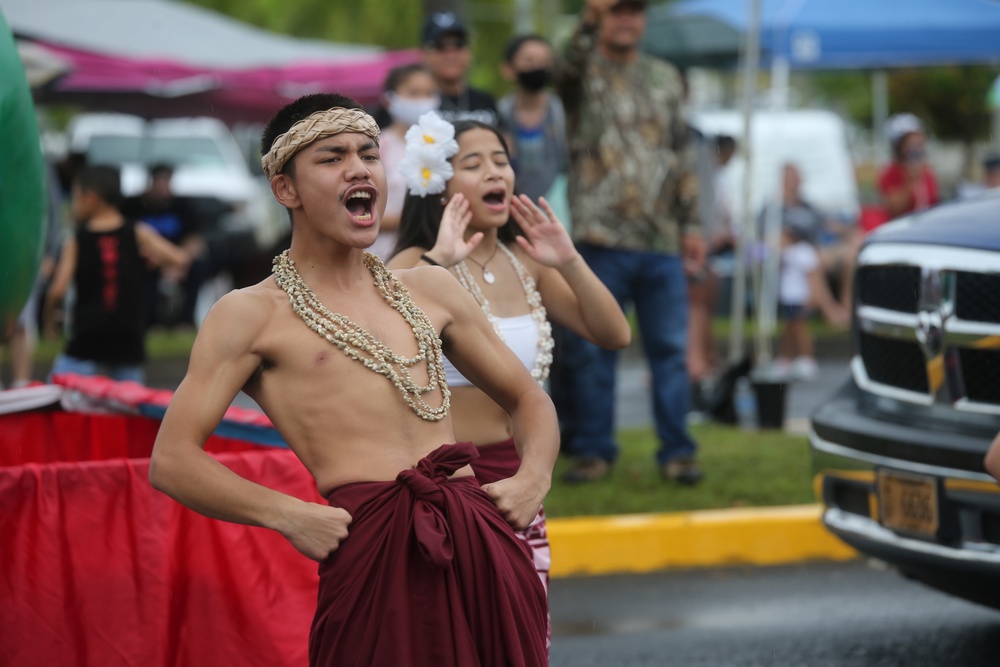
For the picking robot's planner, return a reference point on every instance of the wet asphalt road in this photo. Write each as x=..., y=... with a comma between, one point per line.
x=816, y=615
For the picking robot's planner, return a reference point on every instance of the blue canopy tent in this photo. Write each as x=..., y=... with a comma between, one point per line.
x=862, y=34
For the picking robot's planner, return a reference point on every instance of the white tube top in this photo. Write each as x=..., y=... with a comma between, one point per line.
x=521, y=335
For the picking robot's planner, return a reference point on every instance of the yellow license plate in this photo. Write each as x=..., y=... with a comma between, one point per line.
x=908, y=502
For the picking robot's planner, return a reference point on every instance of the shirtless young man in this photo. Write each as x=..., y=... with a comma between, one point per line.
x=418, y=563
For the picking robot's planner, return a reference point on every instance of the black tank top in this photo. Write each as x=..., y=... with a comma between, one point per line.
x=108, y=314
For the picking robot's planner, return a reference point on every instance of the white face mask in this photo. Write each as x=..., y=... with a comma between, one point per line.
x=408, y=110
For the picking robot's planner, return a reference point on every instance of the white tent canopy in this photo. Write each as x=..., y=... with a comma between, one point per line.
x=163, y=29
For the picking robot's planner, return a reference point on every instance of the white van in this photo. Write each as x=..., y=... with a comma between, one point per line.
x=814, y=140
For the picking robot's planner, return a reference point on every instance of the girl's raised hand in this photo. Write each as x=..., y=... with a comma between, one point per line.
x=545, y=239
x=450, y=247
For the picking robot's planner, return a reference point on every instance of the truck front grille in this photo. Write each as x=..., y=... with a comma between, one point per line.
x=894, y=363
x=895, y=288
x=981, y=372
x=977, y=296
x=928, y=321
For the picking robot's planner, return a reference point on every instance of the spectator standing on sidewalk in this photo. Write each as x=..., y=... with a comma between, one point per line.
x=173, y=219
x=445, y=43
x=633, y=198
x=990, y=178
x=533, y=116
x=801, y=289
x=716, y=213
x=908, y=184
x=802, y=284
x=105, y=261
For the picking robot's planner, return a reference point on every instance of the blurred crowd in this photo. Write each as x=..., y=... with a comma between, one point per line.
x=598, y=130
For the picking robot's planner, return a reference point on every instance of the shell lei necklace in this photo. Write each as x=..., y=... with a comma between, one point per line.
x=361, y=346
x=543, y=359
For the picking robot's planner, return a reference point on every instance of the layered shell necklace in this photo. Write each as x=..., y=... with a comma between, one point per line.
x=543, y=358
x=361, y=346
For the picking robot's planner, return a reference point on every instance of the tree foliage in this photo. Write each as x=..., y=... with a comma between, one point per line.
x=951, y=100
x=847, y=93
x=391, y=24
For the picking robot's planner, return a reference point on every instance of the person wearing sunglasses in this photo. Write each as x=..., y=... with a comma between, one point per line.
x=445, y=43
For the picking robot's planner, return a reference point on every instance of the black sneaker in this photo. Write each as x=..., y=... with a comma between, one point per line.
x=683, y=470
x=587, y=469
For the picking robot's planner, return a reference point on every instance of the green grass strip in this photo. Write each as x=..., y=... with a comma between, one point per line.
x=742, y=469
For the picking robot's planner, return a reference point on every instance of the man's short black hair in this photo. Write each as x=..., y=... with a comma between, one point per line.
x=103, y=180
x=301, y=108
x=161, y=169
x=724, y=142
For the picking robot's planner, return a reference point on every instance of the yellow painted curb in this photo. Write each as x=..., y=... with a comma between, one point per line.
x=648, y=542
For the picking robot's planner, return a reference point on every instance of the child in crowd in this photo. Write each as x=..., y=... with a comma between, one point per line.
x=105, y=264
x=409, y=92
x=534, y=117
x=801, y=288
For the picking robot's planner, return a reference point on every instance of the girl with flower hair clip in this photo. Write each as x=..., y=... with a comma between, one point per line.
x=517, y=260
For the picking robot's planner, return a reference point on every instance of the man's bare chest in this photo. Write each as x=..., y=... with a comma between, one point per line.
x=356, y=341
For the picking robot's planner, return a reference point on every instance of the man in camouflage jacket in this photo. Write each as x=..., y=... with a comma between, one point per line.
x=633, y=200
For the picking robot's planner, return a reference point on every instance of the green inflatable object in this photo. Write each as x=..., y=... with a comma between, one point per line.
x=22, y=186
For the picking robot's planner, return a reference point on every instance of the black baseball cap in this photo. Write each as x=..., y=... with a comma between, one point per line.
x=439, y=24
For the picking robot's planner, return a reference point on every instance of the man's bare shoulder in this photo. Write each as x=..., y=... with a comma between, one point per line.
x=248, y=309
x=433, y=283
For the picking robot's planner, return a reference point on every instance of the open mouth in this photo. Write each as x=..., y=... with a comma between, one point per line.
x=359, y=204
x=496, y=200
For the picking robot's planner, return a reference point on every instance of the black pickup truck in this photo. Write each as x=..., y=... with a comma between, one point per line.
x=898, y=449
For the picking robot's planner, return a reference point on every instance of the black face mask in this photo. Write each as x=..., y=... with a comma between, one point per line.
x=535, y=79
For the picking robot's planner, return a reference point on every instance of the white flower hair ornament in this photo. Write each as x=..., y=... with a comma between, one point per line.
x=429, y=145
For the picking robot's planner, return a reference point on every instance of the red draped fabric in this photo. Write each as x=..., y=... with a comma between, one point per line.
x=430, y=576
x=97, y=568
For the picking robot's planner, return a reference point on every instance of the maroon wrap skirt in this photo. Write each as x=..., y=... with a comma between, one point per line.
x=430, y=575
x=500, y=461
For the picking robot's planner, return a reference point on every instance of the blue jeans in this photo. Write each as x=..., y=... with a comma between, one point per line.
x=656, y=284
x=67, y=364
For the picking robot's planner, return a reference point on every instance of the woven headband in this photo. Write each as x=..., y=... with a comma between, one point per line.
x=312, y=128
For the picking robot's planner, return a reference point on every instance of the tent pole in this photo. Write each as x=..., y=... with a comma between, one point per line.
x=880, y=112
x=767, y=296
x=745, y=235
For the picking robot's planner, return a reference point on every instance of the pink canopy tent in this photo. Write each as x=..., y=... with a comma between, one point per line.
x=160, y=58
x=163, y=88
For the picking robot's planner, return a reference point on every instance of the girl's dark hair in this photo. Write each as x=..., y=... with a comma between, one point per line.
x=393, y=80
x=421, y=217
x=397, y=75
x=515, y=44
